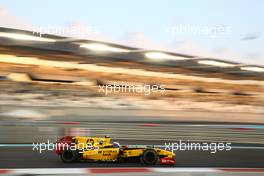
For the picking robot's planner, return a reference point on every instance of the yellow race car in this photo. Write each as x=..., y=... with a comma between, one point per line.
x=95, y=149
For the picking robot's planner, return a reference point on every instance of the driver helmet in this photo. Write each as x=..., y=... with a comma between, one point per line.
x=116, y=145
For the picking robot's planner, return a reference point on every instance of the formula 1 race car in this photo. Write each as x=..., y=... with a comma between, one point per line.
x=96, y=149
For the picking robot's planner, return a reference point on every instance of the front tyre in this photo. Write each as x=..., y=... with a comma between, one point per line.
x=69, y=156
x=150, y=157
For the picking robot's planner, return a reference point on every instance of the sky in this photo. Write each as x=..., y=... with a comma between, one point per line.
x=224, y=29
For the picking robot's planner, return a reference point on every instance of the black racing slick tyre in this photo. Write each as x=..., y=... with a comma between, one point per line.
x=150, y=157
x=69, y=156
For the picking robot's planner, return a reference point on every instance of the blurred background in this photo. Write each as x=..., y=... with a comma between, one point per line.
x=52, y=75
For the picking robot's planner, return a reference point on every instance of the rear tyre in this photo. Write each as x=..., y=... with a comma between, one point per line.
x=69, y=156
x=150, y=157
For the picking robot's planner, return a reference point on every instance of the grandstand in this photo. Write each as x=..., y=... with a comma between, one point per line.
x=30, y=63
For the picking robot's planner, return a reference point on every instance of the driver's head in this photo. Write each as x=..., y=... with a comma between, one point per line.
x=116, y=145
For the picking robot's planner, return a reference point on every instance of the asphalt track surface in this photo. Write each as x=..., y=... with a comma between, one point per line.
x=25, y=157
x=241, y=155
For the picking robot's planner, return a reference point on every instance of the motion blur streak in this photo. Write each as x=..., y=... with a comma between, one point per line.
x=139, y=72
x=52, y=89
